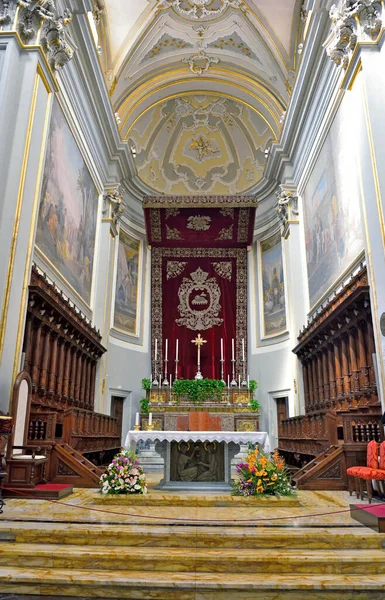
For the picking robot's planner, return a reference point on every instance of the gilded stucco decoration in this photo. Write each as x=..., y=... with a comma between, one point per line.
x=200, y=9
x=234, y=43
x=167, y=44
x=227, y=158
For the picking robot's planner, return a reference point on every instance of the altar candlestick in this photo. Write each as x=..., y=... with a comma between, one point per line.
x=232, y=347
x=137, y=420
x=248, y=381
x=228, y=381
x=156, y=349
x=149, y=419
x=221, y=348
x=176, y=350
x=170, y=380
x=239, y=381
x=243, y=349
x=166, y=350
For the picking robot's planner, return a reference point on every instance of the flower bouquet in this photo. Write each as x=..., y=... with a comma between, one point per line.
x=263, y=473
x=124, y=475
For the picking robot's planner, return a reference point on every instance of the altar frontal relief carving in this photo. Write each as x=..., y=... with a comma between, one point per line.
x=197, y=461
x=333, y=225
x=127, y=278
x=273, y=289
x=68, y=209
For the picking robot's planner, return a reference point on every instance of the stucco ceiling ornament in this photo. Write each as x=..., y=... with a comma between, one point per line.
x=287, y=206
x=203, y=147
x=199, y=291
x=201, y=62
x=201, y=9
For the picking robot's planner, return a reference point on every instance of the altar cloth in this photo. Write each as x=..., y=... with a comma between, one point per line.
x=238, y=437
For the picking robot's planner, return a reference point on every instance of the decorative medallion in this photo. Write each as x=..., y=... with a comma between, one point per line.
x=199, y=291
x=175, y=268
x=201, y=62
x=203, y=147
x=172, y=233
x=199, y=223
x=226, y=233
x=223, y=269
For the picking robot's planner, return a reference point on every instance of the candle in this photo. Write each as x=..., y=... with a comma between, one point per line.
x=228, y=381
x=149, y=419
x=232, y=348
x=170, y=380
x=239, y=380
x=156, y=349
x=166, y=350
x=221, y=348
x=176, y=351
x=248, y=381
x=243, y=349
x=137, y=420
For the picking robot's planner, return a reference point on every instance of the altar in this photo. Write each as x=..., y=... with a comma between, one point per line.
x=198, y=460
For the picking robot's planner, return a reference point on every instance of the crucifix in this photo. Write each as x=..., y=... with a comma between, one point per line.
x=199, y=341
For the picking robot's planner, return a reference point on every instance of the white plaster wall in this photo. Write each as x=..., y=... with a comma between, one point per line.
x=2, y=57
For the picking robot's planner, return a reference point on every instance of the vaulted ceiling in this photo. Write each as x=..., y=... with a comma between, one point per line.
x=199, y=87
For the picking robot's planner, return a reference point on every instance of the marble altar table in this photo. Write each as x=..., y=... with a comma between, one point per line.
x=199, y=460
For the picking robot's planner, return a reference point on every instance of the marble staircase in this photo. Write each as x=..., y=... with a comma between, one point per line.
x=182, y=561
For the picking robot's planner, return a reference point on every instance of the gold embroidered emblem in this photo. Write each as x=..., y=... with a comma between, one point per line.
x=199, y=223
x=199, y=291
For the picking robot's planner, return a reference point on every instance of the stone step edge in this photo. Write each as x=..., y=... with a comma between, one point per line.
x=147, y=553
x=89, y=579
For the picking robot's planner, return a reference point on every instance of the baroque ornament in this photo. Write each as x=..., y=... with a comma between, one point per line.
x=203, y=147
x=199, y=291
x=200, y=9
x=287, y=206
x=352, y=21
x=113, y=205
x=223, y=269
x=38, y=21
x=201, y=62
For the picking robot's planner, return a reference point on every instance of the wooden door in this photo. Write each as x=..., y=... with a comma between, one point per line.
x=117, y=411
x=282, y=411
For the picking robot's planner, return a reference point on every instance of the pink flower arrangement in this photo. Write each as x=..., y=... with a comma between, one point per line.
x=124, y=475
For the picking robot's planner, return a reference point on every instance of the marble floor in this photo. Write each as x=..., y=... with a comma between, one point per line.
x=187, y=547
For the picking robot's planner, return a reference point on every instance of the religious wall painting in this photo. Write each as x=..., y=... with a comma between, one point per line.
x=333, y=227
x=68, y=209
x=273, y=287
x=126, y=314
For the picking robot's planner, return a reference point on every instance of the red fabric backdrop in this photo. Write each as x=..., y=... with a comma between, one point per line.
x=183, y=312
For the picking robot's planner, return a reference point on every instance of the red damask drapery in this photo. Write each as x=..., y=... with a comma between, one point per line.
x=199, y=278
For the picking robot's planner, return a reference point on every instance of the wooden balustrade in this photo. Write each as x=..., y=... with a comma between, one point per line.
x=86, y=431
x=310, y=434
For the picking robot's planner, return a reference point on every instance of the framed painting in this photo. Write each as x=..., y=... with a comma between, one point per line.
x=127, y=288
x=68, y=208
x=332, y=215
x=272, y=287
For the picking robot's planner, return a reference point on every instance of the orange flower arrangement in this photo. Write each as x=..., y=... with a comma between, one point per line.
x=263, y=473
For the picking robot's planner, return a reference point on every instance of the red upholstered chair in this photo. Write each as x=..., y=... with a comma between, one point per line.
x=353, y=473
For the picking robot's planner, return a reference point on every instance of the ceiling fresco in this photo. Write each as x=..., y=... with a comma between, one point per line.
x=200, y=144
x=199, y=88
